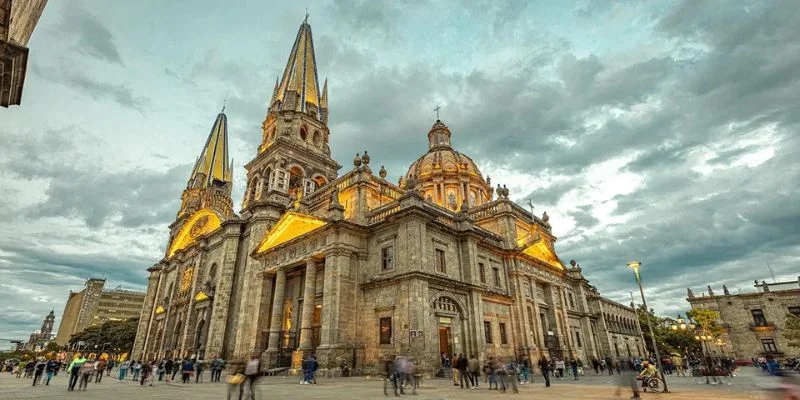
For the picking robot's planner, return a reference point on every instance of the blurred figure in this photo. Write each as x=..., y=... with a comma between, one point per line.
x=50, y=369
x=474, y=370
x=544, y=365
x=628, y=379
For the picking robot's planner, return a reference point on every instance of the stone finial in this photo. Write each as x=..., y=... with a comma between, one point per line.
x=755, y=282
x=765, y=286
x=689, y=293
x=464, y=207
x=357, y=161
x=365, y=158
x=545, y=217
x=505, y=191
x=382, y=172
x=411, y=183
x=488, y=180
x=499, y=191
x=725, y=290
x=710, y=291
x=334, y=197
x=335, y=209
x=572, y=262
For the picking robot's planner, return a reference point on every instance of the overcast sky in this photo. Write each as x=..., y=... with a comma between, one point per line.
x=661, y=131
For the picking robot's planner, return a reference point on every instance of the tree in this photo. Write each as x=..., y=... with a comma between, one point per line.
x=110, y=335
x=792, y=330
x=706, y=319
x=668, y=341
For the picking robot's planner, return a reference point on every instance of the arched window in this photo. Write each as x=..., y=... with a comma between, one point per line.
x=199, y=336
x=212, y=272
x=296, y=176
x=320, y=181
x=303, y=134
x=176, y=335
x=317, y=139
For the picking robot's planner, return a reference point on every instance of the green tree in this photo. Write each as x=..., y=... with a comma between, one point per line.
x=110, y=335
x=792, y=330
x=668, y=341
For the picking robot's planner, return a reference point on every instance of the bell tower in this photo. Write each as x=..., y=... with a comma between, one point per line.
x=294, y=158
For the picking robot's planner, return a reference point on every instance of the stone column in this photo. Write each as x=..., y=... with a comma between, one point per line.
x=277, y=311
x=309, y=293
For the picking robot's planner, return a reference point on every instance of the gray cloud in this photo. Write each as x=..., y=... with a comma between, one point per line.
x=94, y=38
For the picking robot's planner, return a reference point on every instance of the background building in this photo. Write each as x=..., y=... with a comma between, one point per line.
x=355, y=268
x=18, y=18
x=753, y=322
x=43, y=335
x=94, y=305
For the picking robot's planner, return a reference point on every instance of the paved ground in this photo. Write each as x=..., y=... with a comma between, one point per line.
x=748, y=385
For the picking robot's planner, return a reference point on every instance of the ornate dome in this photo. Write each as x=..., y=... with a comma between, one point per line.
x=445, y=176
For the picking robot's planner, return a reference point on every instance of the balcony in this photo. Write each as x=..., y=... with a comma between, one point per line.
x=762, y=326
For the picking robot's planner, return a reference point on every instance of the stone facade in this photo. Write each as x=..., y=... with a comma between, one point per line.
x=753, y=322
x=353, y=268
x=18, y=18
x=94, y=306
x=42, y=335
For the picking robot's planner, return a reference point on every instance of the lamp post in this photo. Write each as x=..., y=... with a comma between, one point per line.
x=680, y=325
x=635, y=265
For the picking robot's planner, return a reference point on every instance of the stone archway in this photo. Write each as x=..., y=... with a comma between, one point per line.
x=449, y=322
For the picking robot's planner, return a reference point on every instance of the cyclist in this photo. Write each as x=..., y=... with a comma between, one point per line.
x=648, y=371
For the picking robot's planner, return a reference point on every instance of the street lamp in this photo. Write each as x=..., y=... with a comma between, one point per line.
x=680, y=325
x=635, y=265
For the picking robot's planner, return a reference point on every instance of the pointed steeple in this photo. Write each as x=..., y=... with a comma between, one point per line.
x=299, y=86
x=323, y=102
x=274, y=93
x=212, y=164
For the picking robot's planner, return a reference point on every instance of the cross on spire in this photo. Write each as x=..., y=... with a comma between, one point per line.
x=305, y=21
x=437, y=108
x=224, y=101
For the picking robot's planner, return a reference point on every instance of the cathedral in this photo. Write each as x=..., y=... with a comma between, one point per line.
x=353, y=268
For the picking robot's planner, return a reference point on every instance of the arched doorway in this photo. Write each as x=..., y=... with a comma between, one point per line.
x=450, y=326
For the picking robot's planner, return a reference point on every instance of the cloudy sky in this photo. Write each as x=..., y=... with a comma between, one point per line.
x=661, y=131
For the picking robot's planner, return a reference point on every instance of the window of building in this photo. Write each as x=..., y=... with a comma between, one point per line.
x=758, y=317
x=496, y=274
x=794, y=311
x=387, y=258
x=482, y=272
x=441, y=266
x=386, y=330
x=503, y=334
x=769, y=346
x=487, y=331
x=530, y=290
x=578, y=340
x=571, y=300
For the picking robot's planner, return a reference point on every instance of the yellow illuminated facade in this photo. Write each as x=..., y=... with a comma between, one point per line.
x=199, y=224
x=290, y=226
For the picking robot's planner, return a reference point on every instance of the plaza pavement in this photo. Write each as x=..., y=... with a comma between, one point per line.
x=748, y=385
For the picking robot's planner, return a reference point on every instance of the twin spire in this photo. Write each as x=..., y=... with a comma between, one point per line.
x=298, y=88
x=212, y=167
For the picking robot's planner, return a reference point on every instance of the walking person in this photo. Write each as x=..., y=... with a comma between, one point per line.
x=560, y=369
x=99, y=369
x=544, y=366
x=168, y=365
x=512, y=376
x=38, y=370
x=187, y=368
x=573, y=363
x=87, y=369
x=198, y=370
x=220, y=367
x=74, y=371
x=146, y=371
x=252, y=370
x=474, y=371
x=123, y=369
x=610, y=365
x=137, y=369
x=502, y=374
x=491, y=373
x=161, y=370
x=49, y=370
x=525, y=369
x=461, y=366
x=177, y=365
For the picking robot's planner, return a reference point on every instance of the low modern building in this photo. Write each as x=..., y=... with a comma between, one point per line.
x=18, y=18
x=753, y=322
x=94, y=305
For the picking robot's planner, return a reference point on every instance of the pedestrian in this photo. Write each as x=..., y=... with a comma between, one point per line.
x=474, y=371
x=74, y=371
x=99, y=369
x=560, y=369
x=544, y=366
x=491, y=372
x=137, y=370
x=50, y=369
x=313, y=365
x=502, y=374
x=168, y=364
x=109, y=366
x=461, y=366
x=573, y=363
x=123, y=369
x=146, y=371
x=512, y=376
x=610, y=365
x=187, y=368
x=198, y=370
x=525, y=369
x=220, y=367
x=161, y=369
x=252, y=370
x=86, y=374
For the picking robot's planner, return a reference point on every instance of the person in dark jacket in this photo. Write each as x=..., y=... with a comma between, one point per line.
x=544, y=365
x=461, y=366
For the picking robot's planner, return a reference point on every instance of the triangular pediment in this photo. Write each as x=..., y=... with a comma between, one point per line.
x=200, y=296
x=542, y=252
x=291, y=225
x=160, y=310
x=200, y=223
